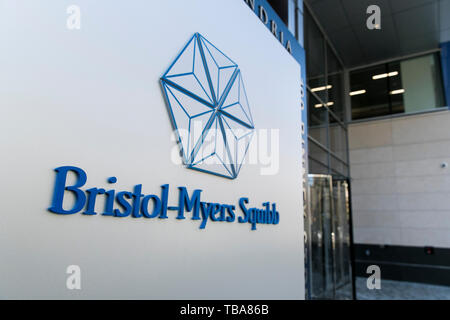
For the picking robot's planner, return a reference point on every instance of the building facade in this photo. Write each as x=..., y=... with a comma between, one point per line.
x=378, y=121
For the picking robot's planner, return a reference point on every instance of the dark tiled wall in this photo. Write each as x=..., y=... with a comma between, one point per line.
x=416, y=264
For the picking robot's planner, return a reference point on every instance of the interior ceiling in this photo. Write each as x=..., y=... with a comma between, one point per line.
x=407, y=27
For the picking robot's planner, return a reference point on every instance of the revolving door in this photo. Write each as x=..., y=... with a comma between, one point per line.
x=330, y=272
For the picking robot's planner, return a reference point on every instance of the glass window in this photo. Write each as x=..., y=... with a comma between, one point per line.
x=335, y=87
x=338, y=167
x=317, y=167
x=319, y=155
x=281, y=8
x=395, y=86
x=315, y=57
x=317, y=120
x=338, y=141
x=369, y=92
x=422, y=83
x=406, y=86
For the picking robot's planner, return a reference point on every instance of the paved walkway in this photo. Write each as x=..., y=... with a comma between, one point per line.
x=399, y=290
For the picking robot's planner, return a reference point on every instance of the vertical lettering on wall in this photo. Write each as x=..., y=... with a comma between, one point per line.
x=288, y=46
x=273, y=28
x=263, y=15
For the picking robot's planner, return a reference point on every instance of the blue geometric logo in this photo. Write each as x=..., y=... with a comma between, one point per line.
x=208, y=105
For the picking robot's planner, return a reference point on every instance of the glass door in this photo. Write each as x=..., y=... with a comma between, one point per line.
x=321, y=206
x=330, y=264
x=341, y=230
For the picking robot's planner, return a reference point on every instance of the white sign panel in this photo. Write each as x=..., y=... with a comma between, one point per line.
x=102, y=199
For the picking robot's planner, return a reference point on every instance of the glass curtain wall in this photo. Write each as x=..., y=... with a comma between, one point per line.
x=330, y=220
x=327, y=228
x=328, y=151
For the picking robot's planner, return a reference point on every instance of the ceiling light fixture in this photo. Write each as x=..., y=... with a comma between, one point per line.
x=385, y=75
x=322, y=88
x=355, y=93
x=399, y=91
x=320, y=105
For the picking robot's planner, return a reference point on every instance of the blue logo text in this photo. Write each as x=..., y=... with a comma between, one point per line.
x=135, y=204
